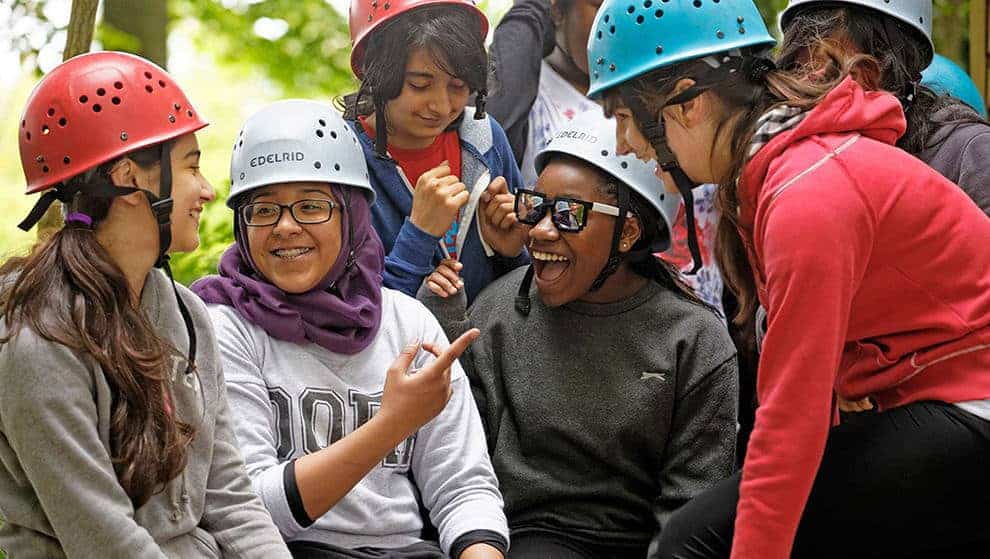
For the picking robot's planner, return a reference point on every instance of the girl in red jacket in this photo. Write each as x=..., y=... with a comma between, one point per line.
x=874, y=271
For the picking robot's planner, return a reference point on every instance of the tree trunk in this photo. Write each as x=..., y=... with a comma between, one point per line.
x=79, y=37
x=143, y=20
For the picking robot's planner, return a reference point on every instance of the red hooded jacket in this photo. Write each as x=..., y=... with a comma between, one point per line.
x=875, y=271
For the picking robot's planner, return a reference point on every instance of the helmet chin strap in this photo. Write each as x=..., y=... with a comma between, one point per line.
x=654, y=130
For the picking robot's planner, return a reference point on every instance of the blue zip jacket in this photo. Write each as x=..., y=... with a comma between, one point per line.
x=411, y=253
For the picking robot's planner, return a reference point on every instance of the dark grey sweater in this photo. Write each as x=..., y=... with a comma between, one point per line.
x=960, y=151
x=601, y=419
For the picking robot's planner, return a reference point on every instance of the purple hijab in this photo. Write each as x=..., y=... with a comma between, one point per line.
x=342, y=313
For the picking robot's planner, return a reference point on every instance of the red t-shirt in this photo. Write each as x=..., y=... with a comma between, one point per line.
x=415, y=162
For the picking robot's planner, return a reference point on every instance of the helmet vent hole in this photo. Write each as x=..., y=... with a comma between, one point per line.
x=44, y=169
x=115, y=100
x=97, y=108
x=333, y=134
x=83, y=99
x=161, y=84
x=189, y=114
x=149, y=89
x=599, y=34
x=147, y=75
x=322, y=122
x=336, y=166
x=45, y=130
x=604, y=153
x=319, y=133
x=607, y=17
x=624, y=165
x=720, y=35
x=648, y=4
x=66, y=160
x=611, y=30
x=697, y=3
x=659, y=49
x=62, y=121
x=639, y=19
x=101, y=92
x=51, y=112
x=658, y=14
x=317, y=165
x=24, y=124
x=631, y=9
x=118, y=85
x=29, y=136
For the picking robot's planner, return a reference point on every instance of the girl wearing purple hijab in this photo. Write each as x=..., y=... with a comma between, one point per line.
x=351, y=415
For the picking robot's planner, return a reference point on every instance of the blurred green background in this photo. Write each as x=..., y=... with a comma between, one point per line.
x=232, y=57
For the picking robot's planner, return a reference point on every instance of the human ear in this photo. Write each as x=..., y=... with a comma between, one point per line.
x=631, y=232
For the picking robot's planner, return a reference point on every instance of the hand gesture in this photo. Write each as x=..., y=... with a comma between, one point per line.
x=497, y=220
x=437, y=199
x=445, y=281
x=410, y=399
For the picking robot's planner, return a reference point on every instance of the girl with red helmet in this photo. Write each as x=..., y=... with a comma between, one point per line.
x=99, y=359
x=435, y=163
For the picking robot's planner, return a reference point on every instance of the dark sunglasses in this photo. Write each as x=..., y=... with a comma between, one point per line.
x=567, y=214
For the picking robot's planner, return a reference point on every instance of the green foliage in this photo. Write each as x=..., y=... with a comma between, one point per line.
x=311, y=59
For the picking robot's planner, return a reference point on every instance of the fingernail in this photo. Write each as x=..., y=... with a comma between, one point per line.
x=460, y=283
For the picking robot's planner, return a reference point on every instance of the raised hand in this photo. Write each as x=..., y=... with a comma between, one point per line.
x=445, y=281
x=497, y=220
x=437, y=198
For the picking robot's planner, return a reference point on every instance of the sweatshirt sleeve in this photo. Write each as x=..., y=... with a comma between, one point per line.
x=410, y=260
x=815, y=238
x=254, y=422
x=451, y=464
x=522, y=38
x=701, y=450
x=233, y=513
x=49, y=418
x=974, y=173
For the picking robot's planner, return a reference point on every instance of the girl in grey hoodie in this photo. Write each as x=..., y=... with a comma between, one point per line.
x=115, y=439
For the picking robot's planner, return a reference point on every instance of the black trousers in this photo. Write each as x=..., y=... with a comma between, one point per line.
x=317, y=550
x=910, y=482
x=549, y=545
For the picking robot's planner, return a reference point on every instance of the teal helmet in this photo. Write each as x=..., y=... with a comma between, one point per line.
x=946, y=77
x=632, y=37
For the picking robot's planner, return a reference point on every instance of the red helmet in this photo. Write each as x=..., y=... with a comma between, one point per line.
x=366, y=15
x=97, y=107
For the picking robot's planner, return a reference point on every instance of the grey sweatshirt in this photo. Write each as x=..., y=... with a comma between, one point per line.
x=59, y=495
x=600, y=419
x=292, y=399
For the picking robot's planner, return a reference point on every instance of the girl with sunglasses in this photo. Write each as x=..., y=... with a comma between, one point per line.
x=874, y=269
x=115, y=434
x=607, y=390
x=442, y=170
x=350, y=408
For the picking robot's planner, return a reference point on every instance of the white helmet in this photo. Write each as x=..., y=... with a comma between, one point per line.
x=591, y=137
x=296, y=141
x=916, y=13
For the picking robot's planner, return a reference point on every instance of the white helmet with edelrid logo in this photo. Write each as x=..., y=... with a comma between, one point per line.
x=296, y=141
x=915, y=13
x=590, y=137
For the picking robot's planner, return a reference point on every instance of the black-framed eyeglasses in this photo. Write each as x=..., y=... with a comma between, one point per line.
x=308, y=212
x=567, y=214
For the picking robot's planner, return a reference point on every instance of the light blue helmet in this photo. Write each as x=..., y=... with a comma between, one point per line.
x=296, y=140
x=591, y=138
x=945, y=76
x=632, y=37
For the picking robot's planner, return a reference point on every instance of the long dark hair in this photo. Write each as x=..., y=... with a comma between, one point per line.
x=900, y=53
x=745, y=101
x=70, y=291
x=452, y=36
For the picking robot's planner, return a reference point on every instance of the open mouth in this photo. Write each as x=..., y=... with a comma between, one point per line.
x=291, y=253
x=549, y=267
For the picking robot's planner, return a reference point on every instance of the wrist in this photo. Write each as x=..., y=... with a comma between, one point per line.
x=389, y=428
x=425, y=227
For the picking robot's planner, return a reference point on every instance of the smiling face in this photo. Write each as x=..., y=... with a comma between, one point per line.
x=430, y=100
x=566, y=264
x=295, y=257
